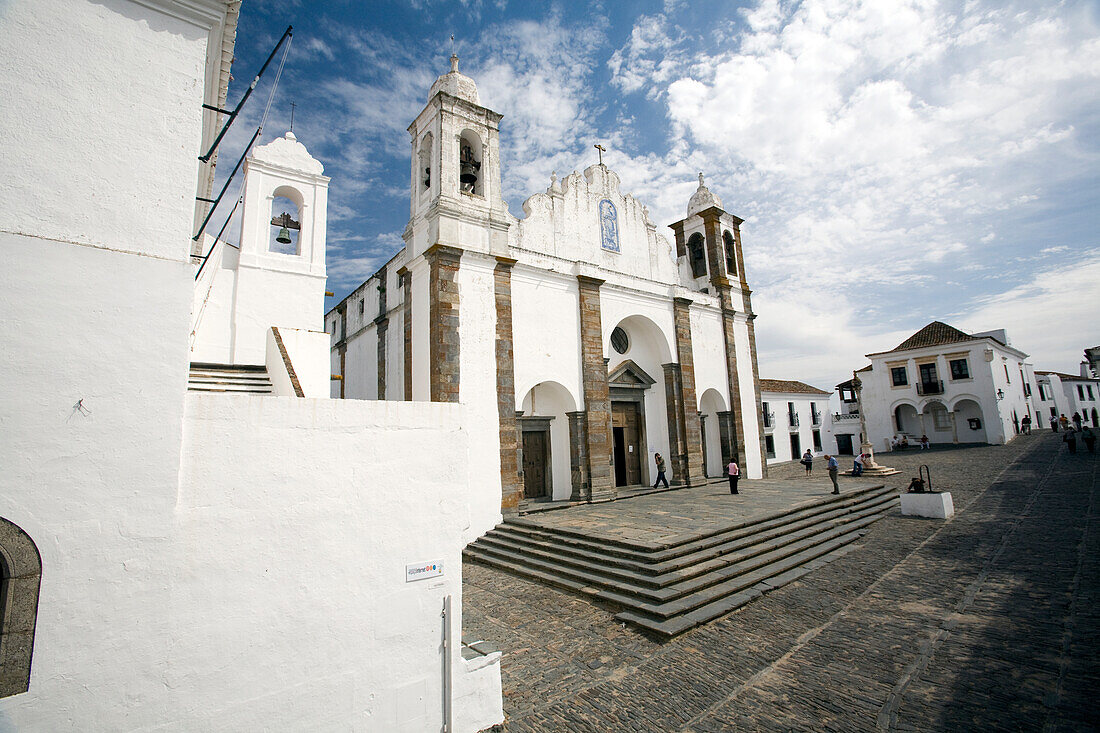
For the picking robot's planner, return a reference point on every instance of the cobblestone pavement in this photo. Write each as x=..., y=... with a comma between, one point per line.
x=986, y=621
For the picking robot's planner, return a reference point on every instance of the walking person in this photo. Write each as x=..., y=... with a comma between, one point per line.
x=734, y=474
x=1077, y=421
x=1063, y=422
x=1070, y=439
x=833, y=467
x=808, y=461
x=660, y=471
x=1090, y=439
x=1053, y=424
x=1026, y=424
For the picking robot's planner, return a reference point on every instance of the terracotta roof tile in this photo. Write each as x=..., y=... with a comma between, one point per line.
x=788, y=385
x=935, y=333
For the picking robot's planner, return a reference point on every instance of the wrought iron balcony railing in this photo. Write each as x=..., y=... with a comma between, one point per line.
x=935, y=387
x=792, y=420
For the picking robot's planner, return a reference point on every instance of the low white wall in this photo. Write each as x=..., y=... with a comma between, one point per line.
x=308, y=352
x=296, y=520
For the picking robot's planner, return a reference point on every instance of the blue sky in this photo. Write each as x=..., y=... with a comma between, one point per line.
x=895, y=161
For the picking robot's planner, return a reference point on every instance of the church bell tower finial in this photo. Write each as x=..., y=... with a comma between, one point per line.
x=454, y=63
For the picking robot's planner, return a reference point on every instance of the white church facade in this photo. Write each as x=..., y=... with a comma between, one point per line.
x=580, y=340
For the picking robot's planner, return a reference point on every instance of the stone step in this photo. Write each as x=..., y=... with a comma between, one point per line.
x=248, y=378
x=709, y=577
x=626, y=591
x=737, y=576
x=219, y=387
x=767, y=579
x=657, y=552
x=659, y=575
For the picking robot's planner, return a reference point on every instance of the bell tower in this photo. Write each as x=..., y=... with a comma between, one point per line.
x=281, y=271
x=455, y=197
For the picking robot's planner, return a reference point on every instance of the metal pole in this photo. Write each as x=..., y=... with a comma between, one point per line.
x=226, y=186
x=447, y=644
x=233, y=115
x=218, y=238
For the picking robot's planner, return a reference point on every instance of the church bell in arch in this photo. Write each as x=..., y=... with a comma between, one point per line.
x=468, y=169
x=286, y=224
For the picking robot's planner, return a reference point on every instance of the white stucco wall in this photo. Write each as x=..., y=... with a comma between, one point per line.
x=478, y=390
x=68, y=71
x=289, y=578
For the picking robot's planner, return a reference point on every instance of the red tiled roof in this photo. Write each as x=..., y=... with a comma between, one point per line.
x=935, y=333
x=788, y=385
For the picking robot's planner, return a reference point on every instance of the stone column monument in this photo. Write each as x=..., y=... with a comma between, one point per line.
x=870, y=467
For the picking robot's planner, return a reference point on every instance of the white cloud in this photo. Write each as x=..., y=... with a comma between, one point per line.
x=1052, y=317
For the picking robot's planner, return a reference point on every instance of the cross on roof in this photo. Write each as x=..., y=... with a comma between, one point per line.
x=601, y=150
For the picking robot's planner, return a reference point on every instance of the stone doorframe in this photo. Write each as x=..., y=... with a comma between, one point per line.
x=628, y=382
x=536, y=424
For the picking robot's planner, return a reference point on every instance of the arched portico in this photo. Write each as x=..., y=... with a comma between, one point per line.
x=970, y=421
x=547, y=420
x=938, y=422
x=907, y=419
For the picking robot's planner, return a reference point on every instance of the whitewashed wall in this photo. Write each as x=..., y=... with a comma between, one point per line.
x=295, y=521
x=478, y=389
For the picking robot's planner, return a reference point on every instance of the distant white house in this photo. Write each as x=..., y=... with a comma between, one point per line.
x=1064, y=394
x=941, y=382
x=795, y=419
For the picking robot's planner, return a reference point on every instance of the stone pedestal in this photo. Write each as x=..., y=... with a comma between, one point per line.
x=935, y=505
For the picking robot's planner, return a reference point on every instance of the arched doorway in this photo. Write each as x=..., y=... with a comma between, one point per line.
x=544, y=441
x=20, y=578
x=711, y=407
x=638, y=352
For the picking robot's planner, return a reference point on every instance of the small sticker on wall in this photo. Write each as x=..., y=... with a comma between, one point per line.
x=423, y=570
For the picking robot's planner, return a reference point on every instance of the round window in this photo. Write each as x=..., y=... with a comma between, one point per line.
x=619, y=340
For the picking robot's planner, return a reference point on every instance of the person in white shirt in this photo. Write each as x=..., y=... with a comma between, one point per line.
x=734, y=474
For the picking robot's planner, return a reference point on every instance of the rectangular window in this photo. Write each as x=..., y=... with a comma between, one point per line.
x=1089, y=388
x=769, y=446
x=769, y=417
x=1007, y=378
x=817, y=440
x=1080, y=392
x=796, y=446
x=898, y=375
x=959, y=369
x=940, y=418
x=360, y=309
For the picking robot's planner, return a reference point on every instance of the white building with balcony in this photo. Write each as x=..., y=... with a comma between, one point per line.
x=795, y=419
x=941, y=382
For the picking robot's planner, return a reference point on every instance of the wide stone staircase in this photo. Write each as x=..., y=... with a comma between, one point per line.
x=669, y=589
x=250, y=378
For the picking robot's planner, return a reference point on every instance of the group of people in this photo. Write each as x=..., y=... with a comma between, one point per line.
x=1064, y=422
x=734, y=471
x=902, y=443
x=1087, y=436
x=831, y=465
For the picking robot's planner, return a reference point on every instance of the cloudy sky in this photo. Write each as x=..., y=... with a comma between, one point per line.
x=895, y=161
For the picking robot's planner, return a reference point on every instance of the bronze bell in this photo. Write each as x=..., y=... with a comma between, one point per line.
x=468, y=168
x=284, y=236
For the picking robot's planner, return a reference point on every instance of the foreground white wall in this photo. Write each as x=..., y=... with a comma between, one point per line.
x=295, y=523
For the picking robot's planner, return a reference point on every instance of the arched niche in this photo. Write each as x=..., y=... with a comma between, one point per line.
x=20, y=579
x=697, y=255
x=730, y=247
x=425, y=171
x=286, y=220
x=471, y=158
x=970, y=421
x=712, y=410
